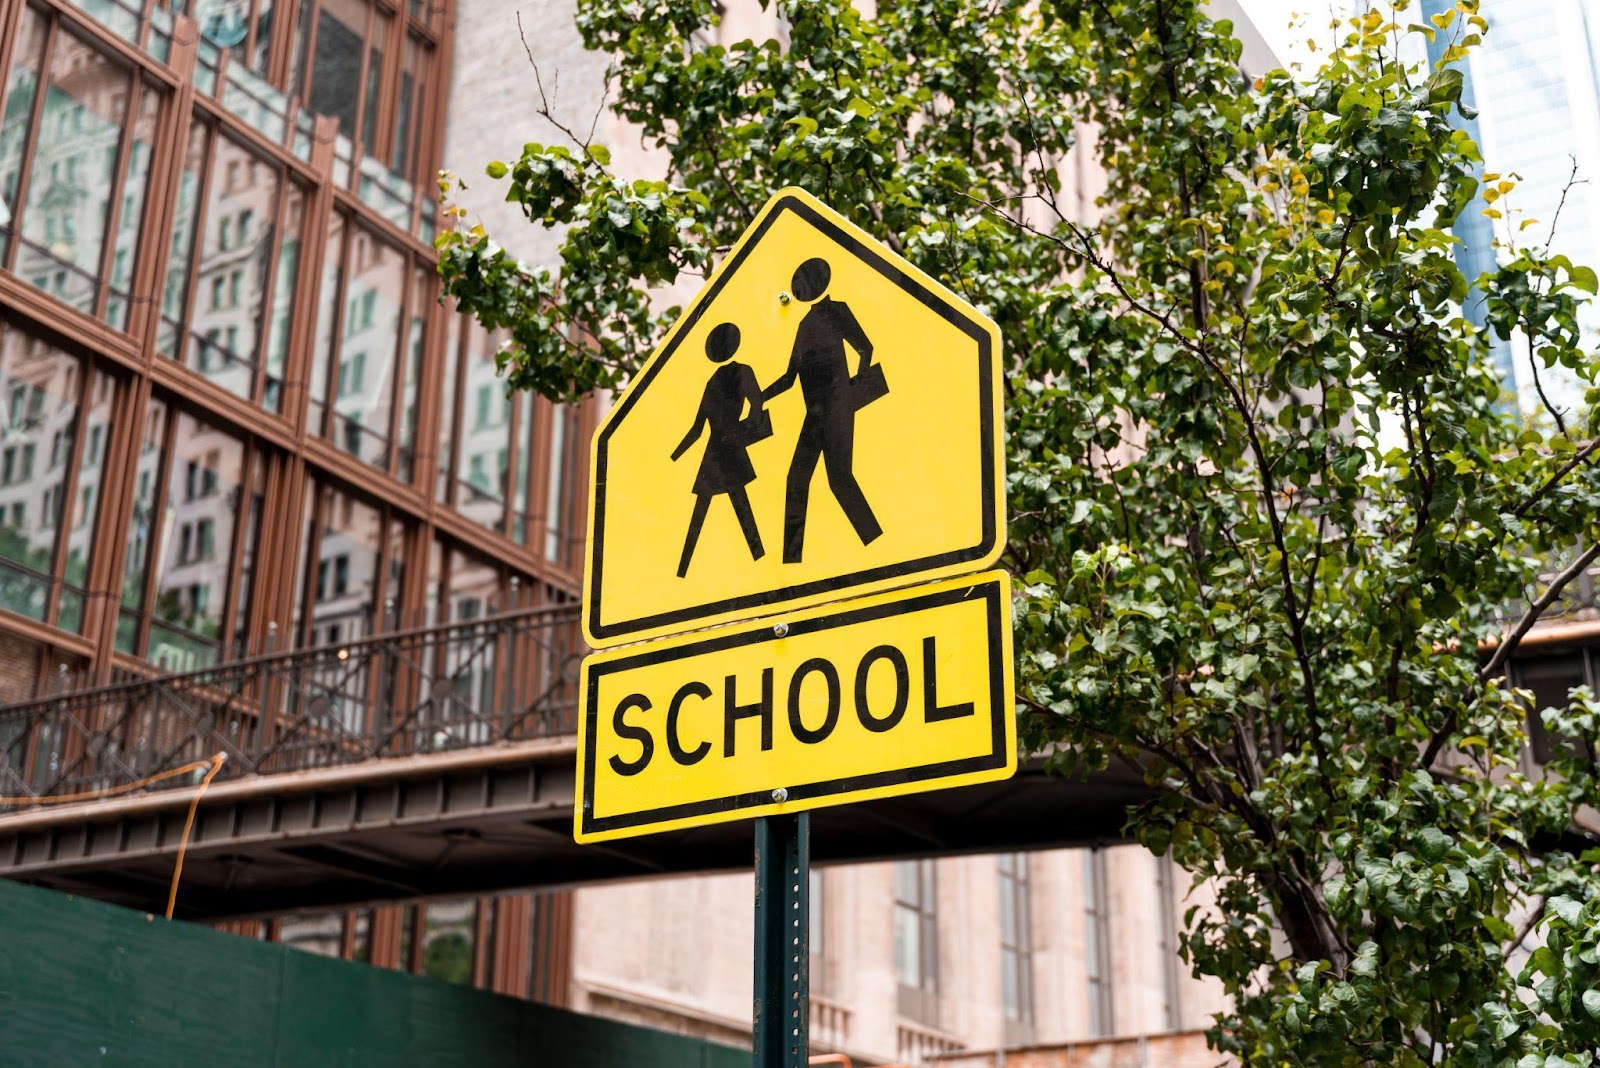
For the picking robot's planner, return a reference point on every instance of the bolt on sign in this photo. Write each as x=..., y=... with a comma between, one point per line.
x=821, y=427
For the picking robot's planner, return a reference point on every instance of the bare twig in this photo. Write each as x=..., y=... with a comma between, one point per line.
x=543, y=110
x=1538, y=385
x=1578, y=458
x=1572, y=180
x=1537, y=609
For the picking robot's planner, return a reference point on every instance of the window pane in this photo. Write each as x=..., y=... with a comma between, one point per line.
x=125, y=247
x=559, y=547
x=412, y=95
x=19, y=99
x=481, y=469
x=343, y=574
x=75, y=159
x=447, y=941
x=204, y=493
x=39, y=389
x=336, y=72
x=283, y=298
x=327, y=319
x=322, y=934
x=375, y=281
x=374, y=87
x=907, y=946
x=85, y=502
x=175, y=292
x=235, y=267
x=527, y=443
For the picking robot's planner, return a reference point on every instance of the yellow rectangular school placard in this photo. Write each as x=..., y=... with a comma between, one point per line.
x=893, y=694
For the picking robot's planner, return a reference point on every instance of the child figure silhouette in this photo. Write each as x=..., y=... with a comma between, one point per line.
x=725, y=465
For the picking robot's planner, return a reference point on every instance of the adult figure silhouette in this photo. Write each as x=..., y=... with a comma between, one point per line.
x=725, y=465
x=832, y=397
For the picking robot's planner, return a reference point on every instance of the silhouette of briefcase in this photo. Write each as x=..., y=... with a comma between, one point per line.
x=868, y=385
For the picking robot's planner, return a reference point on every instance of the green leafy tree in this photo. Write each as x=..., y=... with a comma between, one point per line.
x=1266, y=492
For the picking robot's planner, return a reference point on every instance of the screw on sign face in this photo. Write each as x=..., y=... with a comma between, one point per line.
x=832, y=397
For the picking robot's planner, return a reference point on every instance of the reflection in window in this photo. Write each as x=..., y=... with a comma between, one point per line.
x=46, y=515
x=448, y=938
x=230, y=284
x=508, y=463
x=77, y=200
x=184, y=567
x=322, y=934
x=363, y=302
x=344, y=67
x=560, y=546
x=340, y=597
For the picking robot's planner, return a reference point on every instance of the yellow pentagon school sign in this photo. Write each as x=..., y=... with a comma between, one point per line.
x=822, y=421
x=887, y=695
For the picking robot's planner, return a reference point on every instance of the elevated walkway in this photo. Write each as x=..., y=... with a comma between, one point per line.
x=430, y=762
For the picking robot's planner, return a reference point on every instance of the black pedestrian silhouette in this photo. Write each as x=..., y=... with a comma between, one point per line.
x=832, y=398
x=725, y=465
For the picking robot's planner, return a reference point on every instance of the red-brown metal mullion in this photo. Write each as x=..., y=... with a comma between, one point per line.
x=397, y=384
x=258, y=387
x=280, y=56
x=389, y=90
x=152, y=556
x=41, y=89
x=539, y=476
x=458, y=413
x=119, y=181
x=314, y=228
x=336, y=330
x=430, y=401
x=437, y=61
x=251, y=21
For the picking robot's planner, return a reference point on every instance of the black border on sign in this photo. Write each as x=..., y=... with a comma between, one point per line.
x=986, y=386
x=986, y=588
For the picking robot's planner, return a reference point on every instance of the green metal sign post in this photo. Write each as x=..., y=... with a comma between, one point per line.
x=783, y=942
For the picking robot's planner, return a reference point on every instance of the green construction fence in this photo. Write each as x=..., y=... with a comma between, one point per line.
x=87, y=984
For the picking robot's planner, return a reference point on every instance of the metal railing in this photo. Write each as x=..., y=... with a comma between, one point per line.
x=505, y=677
